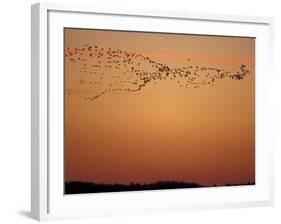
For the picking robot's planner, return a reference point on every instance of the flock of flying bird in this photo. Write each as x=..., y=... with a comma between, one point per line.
x=111, y=70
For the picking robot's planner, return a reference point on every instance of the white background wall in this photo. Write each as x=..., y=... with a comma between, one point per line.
x=15, y=111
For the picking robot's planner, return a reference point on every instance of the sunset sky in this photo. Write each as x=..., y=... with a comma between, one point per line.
x=167, y=130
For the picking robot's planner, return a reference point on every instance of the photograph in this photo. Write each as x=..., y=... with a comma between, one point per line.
x=157, y=111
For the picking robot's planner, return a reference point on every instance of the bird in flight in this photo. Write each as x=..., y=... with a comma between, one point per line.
x=114, y=70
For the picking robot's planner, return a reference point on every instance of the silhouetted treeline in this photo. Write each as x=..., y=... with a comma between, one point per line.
x=77, y=187
x=239, y=184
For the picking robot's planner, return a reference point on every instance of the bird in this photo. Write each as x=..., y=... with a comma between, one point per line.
x=134, y=71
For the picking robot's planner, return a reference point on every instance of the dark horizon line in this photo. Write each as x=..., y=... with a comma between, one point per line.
x=145, y=183
x=79, y=187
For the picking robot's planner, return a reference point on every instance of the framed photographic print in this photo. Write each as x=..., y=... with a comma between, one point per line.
x=148, y=111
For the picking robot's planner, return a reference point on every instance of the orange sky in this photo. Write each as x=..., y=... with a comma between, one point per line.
x=162, y=132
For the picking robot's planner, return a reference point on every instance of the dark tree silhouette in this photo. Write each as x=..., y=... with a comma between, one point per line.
x=79, y=187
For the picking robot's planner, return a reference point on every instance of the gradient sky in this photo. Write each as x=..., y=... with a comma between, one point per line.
x=163, y=132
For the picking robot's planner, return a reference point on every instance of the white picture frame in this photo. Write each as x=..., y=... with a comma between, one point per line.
x=47, y=198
